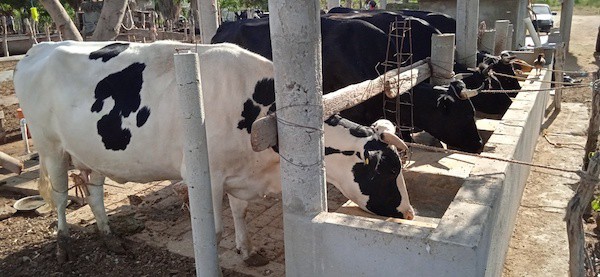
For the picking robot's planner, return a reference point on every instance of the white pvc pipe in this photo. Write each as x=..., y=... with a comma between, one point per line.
x=532, y=32
x=23, y=125
x=196, y=163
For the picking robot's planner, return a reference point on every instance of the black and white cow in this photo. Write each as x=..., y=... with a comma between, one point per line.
x=110, y=109
x=351, y=51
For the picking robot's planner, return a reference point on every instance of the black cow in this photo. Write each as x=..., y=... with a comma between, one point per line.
x=423, y=25
x=484, y=78
x=351, y=51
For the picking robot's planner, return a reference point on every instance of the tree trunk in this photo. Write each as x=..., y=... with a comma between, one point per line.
x=61, y=18
x=110, y=20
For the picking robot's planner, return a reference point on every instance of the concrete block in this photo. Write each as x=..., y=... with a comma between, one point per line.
x=462, y=224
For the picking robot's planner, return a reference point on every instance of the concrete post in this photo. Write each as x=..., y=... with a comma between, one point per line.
x=333, y=3
x=500, y=40
x=209, y=19
x=467, y=20
x=566, y=18
x=295, y=37
x=487, y=41
x=442, y=59
x=522, y=12
x=383, y=4
x=559, y=61
x=348, y=3
x=196, y=172
x=509, y=38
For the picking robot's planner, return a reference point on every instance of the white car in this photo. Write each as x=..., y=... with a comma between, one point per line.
x=541, y=17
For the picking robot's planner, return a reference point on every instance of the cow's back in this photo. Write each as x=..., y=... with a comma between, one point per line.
x=113, y=106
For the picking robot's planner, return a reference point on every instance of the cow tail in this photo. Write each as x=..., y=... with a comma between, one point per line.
x=45, y=186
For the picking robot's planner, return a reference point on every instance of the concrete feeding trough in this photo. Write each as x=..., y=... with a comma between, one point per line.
x=466, y=206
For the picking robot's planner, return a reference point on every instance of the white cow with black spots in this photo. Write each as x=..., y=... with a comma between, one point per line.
x=109, y=108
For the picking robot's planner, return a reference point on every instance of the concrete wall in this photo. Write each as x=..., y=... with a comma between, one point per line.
x=489, y=11
x=471, y=239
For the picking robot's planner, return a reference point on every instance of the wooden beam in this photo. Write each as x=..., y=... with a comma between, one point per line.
x=393, y=82
x=397, y=81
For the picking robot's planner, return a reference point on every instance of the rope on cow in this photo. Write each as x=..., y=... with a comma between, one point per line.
x=449, y=151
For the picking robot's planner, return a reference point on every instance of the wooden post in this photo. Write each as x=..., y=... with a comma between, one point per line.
x=348, y=3
x=467, y=20
x=559, y=61
x=60, y=38
x=12, y=164
x=143, y=20
x=5, y=35
x=30, y=31
x=487, y=41
x=47, y=31
x=442, y=59
x=598, y=41
x=185, y=31
x=575, y=209
x=152, y=27
x=501, y=27
x=594, y=128
x=193, y=28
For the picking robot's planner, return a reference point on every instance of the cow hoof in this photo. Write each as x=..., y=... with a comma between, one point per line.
x=113, y=244
x=256, y=259
x=62, y=248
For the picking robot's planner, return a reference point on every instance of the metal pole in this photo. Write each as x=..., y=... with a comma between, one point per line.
x=197, y=172
x=534, y=35
x=442, y=59
x=467, y=20
x=296, y=38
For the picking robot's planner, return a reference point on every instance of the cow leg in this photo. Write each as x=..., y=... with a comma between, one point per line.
x=96, y=202
x=56, y=166
x=242, y=241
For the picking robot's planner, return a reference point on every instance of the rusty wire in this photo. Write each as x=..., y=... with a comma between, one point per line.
x=450, y=151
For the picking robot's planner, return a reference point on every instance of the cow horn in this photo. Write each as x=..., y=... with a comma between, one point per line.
x=392, y=139
x=468, y=93
x=461, y=76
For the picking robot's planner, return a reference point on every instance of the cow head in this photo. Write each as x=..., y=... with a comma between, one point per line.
x=446, y=114
x=364, y=164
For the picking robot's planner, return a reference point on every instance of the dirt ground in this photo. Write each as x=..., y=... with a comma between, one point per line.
x=27, y=240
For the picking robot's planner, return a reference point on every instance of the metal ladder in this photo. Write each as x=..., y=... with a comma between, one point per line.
x=399, y=32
